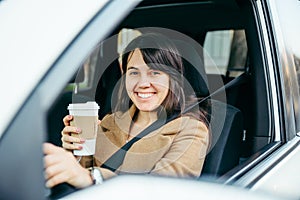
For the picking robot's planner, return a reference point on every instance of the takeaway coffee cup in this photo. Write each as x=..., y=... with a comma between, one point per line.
x=85, y=117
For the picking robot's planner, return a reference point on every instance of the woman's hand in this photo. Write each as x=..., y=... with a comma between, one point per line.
x=61, y=166
x=70, y=142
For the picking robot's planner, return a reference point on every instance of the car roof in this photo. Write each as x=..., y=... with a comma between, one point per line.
x=33, y=35
x=202, y=15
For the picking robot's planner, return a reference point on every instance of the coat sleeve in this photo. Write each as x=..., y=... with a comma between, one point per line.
x=187, y=152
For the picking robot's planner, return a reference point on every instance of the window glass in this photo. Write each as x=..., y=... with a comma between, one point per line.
x=84, y=78
x=226, y=49
x=124, y=37
x=288, y=13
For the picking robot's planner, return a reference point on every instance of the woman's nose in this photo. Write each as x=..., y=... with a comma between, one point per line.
x=144, y=81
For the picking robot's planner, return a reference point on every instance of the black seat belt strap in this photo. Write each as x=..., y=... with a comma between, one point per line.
x=234, y=82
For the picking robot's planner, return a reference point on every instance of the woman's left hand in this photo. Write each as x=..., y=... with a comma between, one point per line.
x=61, y=166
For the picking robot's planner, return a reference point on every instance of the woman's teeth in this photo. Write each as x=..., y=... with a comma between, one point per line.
x=145, y=95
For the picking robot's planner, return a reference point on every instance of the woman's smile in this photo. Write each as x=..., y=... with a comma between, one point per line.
x=145, y=95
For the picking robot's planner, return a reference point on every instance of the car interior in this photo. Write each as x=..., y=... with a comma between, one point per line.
x=227, y=31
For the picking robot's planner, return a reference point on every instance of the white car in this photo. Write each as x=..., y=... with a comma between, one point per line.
x=53, y=53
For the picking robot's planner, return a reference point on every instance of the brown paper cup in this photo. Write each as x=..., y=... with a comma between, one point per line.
x=85, y=117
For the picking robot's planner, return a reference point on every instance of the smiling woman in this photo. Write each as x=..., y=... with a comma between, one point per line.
x=151, y=90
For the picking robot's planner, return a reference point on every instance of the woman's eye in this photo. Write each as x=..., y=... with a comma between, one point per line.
x=133, y=73
x=155, y=73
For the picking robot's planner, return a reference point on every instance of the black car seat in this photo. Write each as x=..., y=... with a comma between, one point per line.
x=226, y=122
x=226, y=140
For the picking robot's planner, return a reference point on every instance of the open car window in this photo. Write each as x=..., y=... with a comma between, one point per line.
x=231, y=48
x=241, y=57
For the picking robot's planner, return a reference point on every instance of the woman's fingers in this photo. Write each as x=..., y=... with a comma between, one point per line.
x=49, y=148
x=70, y=142
x=74, y=175
x=53, y=154
x=72, y=139
x=55, y=180
x=67, y=120
x=51, y=170
x=61, y=166
x=71, y=146
x=67, y=130
x=56, y=161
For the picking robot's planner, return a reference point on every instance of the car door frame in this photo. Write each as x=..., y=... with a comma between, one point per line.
x=275, y=170
x=21, y=166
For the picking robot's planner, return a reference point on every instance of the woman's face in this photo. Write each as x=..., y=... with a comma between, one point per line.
x=147, y=88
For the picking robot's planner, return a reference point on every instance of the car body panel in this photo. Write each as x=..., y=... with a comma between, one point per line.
x=282, y=178
x=146, y=187
x=40, y=31
x=24, y=163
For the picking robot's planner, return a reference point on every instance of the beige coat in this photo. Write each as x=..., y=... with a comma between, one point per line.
x=176, y=149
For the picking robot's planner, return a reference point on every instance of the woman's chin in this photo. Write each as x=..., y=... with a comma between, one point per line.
x=145, y=108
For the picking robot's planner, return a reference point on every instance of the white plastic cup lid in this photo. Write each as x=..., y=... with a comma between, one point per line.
x=90, y=105
x=89, y=108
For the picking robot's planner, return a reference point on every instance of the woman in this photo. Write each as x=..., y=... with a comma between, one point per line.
x=152, y=88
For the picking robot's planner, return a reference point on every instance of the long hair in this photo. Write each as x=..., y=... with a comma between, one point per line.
x=160, y=53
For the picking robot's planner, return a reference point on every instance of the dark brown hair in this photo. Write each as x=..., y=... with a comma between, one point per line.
x=160, y=53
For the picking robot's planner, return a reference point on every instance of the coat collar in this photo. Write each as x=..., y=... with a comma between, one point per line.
x=120, y=122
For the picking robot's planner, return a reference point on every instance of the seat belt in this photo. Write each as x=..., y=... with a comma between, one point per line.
x=115, y=161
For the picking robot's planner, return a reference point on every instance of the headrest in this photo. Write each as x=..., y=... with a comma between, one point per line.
x=194, y=70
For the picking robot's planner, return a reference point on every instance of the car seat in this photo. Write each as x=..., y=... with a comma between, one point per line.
x=226, y=122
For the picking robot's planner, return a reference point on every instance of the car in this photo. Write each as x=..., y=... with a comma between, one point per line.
x=53, y=53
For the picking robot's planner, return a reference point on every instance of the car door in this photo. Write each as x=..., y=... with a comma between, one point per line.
x=21, y=154
x=278, y=173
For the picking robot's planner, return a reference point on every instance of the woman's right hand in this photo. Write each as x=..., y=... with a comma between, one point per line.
x=61, y=166
x=70, y=142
